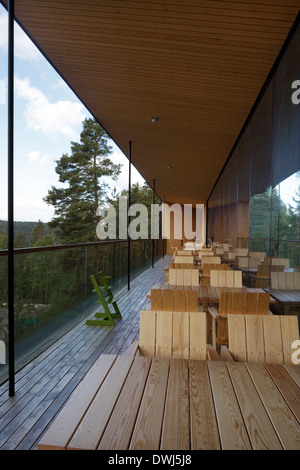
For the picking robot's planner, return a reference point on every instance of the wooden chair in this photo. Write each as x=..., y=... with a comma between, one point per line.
x=226, y=278
x=257, y=254
x=183, y=259
x=248, y=262
x=185, y=253
x=178, y=335
x=284, y=261
x=235, y=303
x=268, y=339
x=180, y=300
x=106, y=299
x=207, y=268
x=211, y=260
x=263, y=274
x=285, y=280
x=184, y=277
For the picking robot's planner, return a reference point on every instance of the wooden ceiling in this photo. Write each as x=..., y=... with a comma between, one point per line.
x=196, y=65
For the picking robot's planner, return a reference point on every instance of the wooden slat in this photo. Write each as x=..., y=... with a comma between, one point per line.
x=175, y=431
x=147, y=431
x=62, y=430
x=273, y=339
x=284, y=422
x=263, y=303
x=179, y=300
x=290, y=333
x=173, y=277
x=255, y=338
x=287, y=386
x=250, y=303
x=233, y=434
x=238, y=279
x=164, y=335
x=225, y=303
x=168, y=297
x=259, y=427
x=187, y=277
x=198, y=332
x=237, y=337
x=238, y=301
x=147, y=332
x=118, y=433
x=156, y=299
x=195, y=278
x=92, y=426
x=180, y=335
x=191, y=300
x=204, y=430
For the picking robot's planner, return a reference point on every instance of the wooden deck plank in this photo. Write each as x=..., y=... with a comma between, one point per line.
x=175, y=431
x=204, y=430
x=233, y=434
x=119, y=430
x=147, y=431
x=259, y=427
x=92, y=425
x=59, y=436
x=283, y=420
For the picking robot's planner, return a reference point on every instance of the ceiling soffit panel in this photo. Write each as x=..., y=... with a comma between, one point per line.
x=197, y=66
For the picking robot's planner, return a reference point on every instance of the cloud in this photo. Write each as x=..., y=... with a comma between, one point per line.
x=36, y=158
x=51, y=118
x=23, y=46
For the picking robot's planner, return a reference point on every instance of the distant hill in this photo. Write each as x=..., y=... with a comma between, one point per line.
x=23, y=227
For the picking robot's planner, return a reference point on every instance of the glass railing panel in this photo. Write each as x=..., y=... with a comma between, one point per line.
x=53, y=290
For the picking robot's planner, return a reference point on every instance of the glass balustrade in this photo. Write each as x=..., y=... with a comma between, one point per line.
x=53, y=290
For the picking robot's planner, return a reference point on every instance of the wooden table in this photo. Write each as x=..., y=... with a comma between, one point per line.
x=287, y=298
x=210, y=294
x=136, y=403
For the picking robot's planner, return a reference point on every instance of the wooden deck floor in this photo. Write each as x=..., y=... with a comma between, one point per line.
x=44, y=385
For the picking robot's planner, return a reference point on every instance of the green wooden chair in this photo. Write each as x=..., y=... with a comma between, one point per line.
x=102, y=288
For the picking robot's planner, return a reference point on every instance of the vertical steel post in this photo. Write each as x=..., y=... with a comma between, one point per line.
x=128, y=221
x=152, y=229
x=163, y=226
x=10, y=157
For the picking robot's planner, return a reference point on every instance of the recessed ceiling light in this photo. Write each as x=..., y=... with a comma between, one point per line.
x=169, y=167
x=154, y=120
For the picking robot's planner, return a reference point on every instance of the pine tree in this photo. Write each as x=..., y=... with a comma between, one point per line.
x=83, y=190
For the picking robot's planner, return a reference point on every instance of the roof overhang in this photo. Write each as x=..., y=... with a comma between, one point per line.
x=198, y=66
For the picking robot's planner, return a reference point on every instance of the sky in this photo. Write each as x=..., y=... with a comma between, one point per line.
x=48, y=117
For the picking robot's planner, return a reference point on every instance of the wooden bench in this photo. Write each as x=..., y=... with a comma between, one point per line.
x=270, y=339
x=142, y=403
x=263, y=277
x=181, y=335
x=184, y=277
x=182, y=300
x=183, y=259
x=211, y=260
x=233, y=303
x=276, y=260
x=226, y=278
